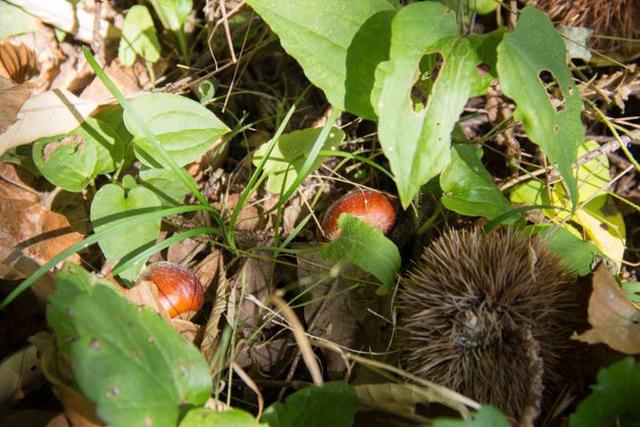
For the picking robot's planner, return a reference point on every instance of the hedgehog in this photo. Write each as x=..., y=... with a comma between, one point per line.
x=490, y=316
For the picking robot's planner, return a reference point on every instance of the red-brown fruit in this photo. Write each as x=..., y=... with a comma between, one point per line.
x=372, y=207
x=179, y=290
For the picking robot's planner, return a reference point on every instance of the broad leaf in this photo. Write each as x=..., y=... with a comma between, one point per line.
x=164, y=183
x=172, y=13
x=593, y=176
x=66, y=161
x=487, y=416
x=203, y=417
x=289, y=154
x=365, y=246
x=183, y=127
x=332, y=404
x=468, y=187
x=614, y=400
x=338, y=55
x=138, y=37
x=111, y=203
x=134, y=366
x=533, y=48
x=577, y=254
x=416, y=142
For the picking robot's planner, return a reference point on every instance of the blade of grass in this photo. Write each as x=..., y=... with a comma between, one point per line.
x=117, y=225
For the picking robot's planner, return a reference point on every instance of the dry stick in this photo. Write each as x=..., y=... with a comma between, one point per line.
x=235, y=71
x=301, y=338
x=251, y=384
x=606, y=148
x=227, y=32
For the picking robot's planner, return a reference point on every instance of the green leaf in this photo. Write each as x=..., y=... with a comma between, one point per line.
x=577, y=254
x=632, y=291
x=72, y=160
x=134, y=366
x=523, y=55
x=468, y=187
x=138, y=37
x=172, y=13
x=614, y=400
x=203, y=417
x=337, y=55
x=66, y=161
x=481, y=7
x=14, y=20
x=289, y=154
x=417, y=142
x=332, y=404
x=487, y=416
x=183, y=127
x=365, y=246
x=111, y=203
x=593, y=176
x=165, y=184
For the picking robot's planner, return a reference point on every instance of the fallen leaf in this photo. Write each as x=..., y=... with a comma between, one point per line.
x=125, y=78
x=615, y=320
x=13, y=185
x=51, y=113
x=12, y=98
x=17, y=63
x=19, y=373
x=31, y=234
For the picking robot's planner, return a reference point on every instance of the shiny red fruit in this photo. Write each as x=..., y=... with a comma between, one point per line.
x=179, y=290
x=370, y=206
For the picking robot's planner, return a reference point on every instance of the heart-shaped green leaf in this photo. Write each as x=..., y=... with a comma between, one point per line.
x=111, y=203
x=204, y=417
x=183, y=127
x=134, y=366
x=165, y=184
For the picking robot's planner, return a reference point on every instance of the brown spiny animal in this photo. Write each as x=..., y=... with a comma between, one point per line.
x=490, y=316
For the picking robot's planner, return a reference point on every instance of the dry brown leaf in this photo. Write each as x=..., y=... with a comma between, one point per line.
x=30, y=232
x=44, y=44
x=125, y=78
x=51, y=113
x=184, y=250
x=187, y=330
x=209, y=269
x=337, y=310
x=19, y=374
x=144, y=293
x=17, y=63
x=12, y=98
x=72, y=17
x=13, y=185
x=615, y=320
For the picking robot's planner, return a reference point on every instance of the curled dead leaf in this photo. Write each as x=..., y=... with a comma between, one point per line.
x=15, y=184
x=17, y=62
x=615, y=320
x=12, y=98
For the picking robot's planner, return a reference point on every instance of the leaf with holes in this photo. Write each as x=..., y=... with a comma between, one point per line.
x=133, y=365
x=468, y=187
x=416, y=139
x=532, y=51
x=110, y=203
x=354, y=245
x=337, y=55
x=183, y=127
